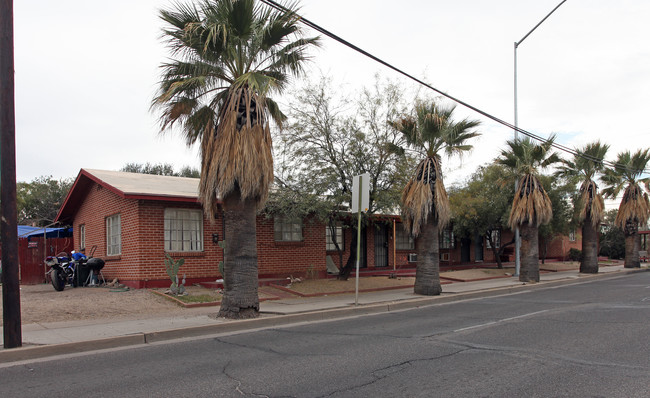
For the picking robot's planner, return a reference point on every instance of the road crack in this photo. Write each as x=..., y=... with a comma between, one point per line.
x=382, y=373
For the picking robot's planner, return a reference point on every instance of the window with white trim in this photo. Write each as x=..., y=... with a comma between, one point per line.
x=495, y=234
x=403, y=240
x=113, y=235
x=330, y=246
x=82, y=236
x=183, y=230
x=572, y=236
x=286, y=230
x=447, y=239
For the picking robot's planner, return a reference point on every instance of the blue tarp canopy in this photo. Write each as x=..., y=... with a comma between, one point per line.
x=25, y=231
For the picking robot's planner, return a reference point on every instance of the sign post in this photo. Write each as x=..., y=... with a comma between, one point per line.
x=360, y=202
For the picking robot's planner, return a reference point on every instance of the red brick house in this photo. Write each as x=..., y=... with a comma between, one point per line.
x=134, y=219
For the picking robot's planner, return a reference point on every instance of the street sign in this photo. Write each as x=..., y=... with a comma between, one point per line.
x=361, y=184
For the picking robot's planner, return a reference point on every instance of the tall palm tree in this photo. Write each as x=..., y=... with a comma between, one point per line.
x=425, y=205
x=635, y=206
x=531, y=206
x=588, y=162
x=229, y=56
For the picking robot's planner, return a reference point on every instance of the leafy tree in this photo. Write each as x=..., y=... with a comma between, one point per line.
x=425, y=205
x=330, y=140
x=634, y=209
x=39, y=201
x=531, y=206
x=162, y=169
x=583, y=170
x=612, y=238
x=482, y=206
x=229, y=57
x=563, y=220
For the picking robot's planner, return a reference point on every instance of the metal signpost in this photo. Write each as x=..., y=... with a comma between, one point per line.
x=360, y=203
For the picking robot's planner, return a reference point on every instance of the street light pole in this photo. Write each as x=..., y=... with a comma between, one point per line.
x=517, y=43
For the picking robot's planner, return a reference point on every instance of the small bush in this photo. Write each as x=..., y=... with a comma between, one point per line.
x=575, y=255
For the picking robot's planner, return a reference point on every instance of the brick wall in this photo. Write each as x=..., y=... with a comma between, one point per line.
x=559, y=247
x=291, y=258
x=141, y=262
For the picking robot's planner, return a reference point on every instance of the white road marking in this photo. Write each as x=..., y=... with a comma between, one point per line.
x=500, y=321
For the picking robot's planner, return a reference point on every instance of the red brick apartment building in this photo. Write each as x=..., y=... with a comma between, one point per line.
x=134, y=219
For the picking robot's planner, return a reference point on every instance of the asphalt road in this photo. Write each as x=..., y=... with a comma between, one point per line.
x=584, y=340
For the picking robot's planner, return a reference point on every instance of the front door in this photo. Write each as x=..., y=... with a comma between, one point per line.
x=381, y=246
x=465, y=244
x=478, y=247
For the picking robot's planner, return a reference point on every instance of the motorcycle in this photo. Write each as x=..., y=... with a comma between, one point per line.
x=66, y=270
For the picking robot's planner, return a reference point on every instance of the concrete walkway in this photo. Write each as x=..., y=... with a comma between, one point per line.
x=47, y=339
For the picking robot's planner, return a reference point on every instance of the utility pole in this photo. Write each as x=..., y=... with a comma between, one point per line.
x=12, y=333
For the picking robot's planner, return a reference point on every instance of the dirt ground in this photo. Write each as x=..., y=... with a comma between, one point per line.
x=41, y=303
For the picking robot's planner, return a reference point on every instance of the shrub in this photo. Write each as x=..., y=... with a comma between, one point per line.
x=575, y=255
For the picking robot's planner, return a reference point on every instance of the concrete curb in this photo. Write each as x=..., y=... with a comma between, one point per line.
x=42, y=351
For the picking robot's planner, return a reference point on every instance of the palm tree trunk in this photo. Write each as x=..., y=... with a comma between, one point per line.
x=632, y=251
x=240, y=299
x=529, y=271
x=427, y=273
x=589, y=262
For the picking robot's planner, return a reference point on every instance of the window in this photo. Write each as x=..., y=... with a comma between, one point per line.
x=113, y=235
x=82, y=237
x=287, y=230
x=447, y=240
x=572, y=236
x=338, y=235
x=183, y=230
x=403, y=240
x=495, y=234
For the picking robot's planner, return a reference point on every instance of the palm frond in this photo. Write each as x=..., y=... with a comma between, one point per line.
x=591, y=203
x=238, y=155
x=425, y=196
x=531, y=203
x=634, y=207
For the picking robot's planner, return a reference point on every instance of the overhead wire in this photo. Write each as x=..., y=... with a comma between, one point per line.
x=346, y=43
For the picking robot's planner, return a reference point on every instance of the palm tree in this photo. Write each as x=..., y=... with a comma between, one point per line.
x=425, y=205
x=586, y=163
x=229, y=56
x=635, y=206
x=531, y=206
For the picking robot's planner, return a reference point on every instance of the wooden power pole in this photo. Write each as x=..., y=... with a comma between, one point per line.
x=9, y=232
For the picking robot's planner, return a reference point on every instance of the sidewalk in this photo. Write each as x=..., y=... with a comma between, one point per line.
x=46, y=339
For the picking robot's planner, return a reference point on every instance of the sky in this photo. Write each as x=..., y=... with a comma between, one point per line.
x=86, y=71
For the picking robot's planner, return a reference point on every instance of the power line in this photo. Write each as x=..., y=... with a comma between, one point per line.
x=346, y=43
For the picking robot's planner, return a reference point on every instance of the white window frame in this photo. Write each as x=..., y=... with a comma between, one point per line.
x=114, y=235
x=340, y=239
x=572, y=236
x=285, y=230
x=403, y=240
x=183, y=230
x=447, y=239
x=82, y=236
